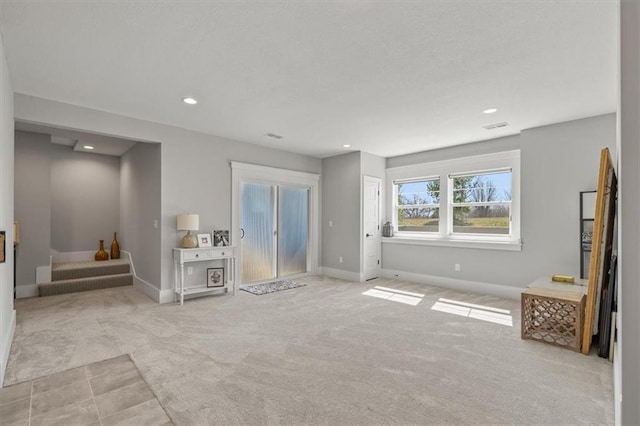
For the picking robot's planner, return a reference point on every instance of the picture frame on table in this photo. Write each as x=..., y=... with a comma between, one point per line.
x=221, y=238
x=215, y=277
x=204, y=240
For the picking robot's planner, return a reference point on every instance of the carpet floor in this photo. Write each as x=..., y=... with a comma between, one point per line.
x=332, y=352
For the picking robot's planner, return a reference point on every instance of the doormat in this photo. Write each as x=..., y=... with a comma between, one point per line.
x=271, y=287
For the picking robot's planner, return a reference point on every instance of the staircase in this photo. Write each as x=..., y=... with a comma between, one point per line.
x=72, y=277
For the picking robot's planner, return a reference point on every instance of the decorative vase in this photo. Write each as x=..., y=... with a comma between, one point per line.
x=101, y=254
x=115, y=247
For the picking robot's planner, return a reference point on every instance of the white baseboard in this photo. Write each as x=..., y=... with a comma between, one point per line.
x=6, y=346
x=130, y=258
x=29, y=290
x=73, y=256
x=341, y=274
x=455, y=284
x=167, y=296
x=159, y=296
x=43, y=274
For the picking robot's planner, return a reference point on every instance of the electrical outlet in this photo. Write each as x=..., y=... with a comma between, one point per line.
x=190, y=270
x=155, y=224
x=340, y=259
x=457, y=267
x=330, y=224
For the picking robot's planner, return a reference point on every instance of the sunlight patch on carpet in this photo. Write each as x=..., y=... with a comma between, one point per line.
x=480, y=312
x=400, y=296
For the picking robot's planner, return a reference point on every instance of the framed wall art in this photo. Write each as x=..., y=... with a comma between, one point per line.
x=215, y=277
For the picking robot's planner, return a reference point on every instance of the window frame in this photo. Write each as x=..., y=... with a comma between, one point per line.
x=476, y=164
x=397, y=207
x=453, y=204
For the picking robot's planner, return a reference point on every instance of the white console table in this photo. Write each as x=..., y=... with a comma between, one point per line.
x=206, y=254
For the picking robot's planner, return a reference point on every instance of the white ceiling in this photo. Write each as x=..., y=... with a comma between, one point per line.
x=389, y=78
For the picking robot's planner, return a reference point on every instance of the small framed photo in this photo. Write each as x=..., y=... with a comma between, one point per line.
x=221, y=238
x=204, y=240
x=215, y=277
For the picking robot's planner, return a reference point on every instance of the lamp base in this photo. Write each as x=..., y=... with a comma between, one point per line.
x=189, y=241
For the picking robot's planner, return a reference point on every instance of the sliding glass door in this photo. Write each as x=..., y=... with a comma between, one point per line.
x=293, y=218
x=257, y=233
x=274, y=231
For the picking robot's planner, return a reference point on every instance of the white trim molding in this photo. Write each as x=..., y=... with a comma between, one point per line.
x=454, y=284
x=459, y=243
x=341, y=274
x=159, y=296
x=153, y=292
x=27, y=290
x=244, y=172
x=6, y=346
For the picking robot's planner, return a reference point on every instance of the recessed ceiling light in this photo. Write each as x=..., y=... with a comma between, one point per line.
x=89, y=147
x=346, y=145
x=490, y=110
x=189, y=101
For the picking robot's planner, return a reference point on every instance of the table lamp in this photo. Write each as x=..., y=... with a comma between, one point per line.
x=188, y=222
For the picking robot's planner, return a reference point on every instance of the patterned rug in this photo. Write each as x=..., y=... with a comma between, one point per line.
x=271, y=287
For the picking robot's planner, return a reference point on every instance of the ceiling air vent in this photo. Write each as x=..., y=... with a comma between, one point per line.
x=496, y=125
x=273, y=135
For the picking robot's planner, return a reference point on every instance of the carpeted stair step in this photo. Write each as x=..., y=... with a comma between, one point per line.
x=85, y=284
x=75, y=270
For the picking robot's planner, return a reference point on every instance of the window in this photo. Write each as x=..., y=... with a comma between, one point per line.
x=481, y=203
x=466, y=202
x=418, y=205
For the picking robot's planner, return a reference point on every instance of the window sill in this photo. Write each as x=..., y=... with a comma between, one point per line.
x=458, y=243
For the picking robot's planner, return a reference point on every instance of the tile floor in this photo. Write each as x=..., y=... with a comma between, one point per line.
x=110, y=392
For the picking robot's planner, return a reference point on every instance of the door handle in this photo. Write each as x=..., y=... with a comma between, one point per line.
x=369, y=235
x=241, y=233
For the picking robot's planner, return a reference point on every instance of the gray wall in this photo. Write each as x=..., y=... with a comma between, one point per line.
x=628, y=353
x=557, y=162
x=32, y=198
x=140, y=206
x=7, y=313
x=466, y=150
x=195, y=169
x=341, y=205
x=372, y=165
x=85, y=199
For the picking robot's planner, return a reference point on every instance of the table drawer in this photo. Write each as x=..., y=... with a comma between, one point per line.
x=205, y=254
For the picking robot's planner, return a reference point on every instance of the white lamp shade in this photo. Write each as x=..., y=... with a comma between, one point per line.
x=188, y=222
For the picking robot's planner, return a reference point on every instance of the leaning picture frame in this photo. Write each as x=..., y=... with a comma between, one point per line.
x=221, y=238
x=215, y=277
x=204, y=240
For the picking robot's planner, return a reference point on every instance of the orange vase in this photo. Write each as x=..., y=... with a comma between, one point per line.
x=101, y=254
x=115, y=247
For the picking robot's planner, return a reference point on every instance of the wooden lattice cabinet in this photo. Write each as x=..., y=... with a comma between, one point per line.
x=553, y=316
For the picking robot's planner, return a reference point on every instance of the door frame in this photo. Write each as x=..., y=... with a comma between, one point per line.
x=253, y=173
x=377, y=180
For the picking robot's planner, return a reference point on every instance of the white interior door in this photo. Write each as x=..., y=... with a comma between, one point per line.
x=371, y=227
